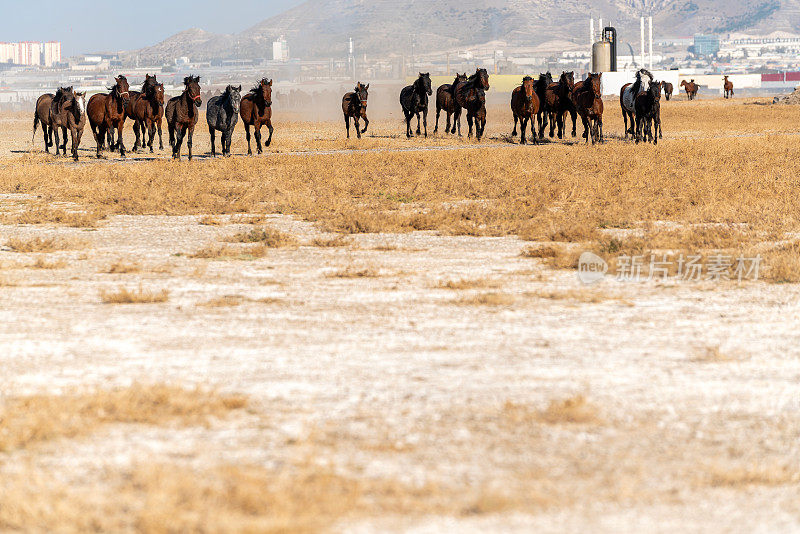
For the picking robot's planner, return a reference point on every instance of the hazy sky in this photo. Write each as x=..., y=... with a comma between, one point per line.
x=109, y=25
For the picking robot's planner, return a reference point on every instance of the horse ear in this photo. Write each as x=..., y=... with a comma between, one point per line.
x=239, y=88
x=270, y=83
x=367, y=86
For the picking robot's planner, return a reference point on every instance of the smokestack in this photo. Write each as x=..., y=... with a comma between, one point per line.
x=650, y=40
x=641, y=21
x=591, y=31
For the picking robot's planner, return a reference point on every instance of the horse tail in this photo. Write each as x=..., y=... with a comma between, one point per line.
x=35, y=124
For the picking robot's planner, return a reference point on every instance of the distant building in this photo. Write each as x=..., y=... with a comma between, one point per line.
x=51, y=53
x=706, y=45
x=280, y=50
x=31, y=53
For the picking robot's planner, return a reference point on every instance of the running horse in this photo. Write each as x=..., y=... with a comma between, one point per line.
x=541, y=85
x=181, y=113
x=648, y=114
x=728, y=86
x=525, y=107
x=691, y=89
x=414, y=101
x=666, y=87
x=445, y=100
x=354, y=104
x=146, y=109
x=588, y=98
x=256, y=111
x=558, y=102
x=222, y=114
x=628, y=95
x=106, y=113
x=470, y=95
x=42, y=115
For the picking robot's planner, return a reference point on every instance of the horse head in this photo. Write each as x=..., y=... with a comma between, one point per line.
x=234, y=94
x=263, y=90
x=158, y=93
x=121, y=89
x=424, y=83
x=64, y=99
x=655, y=90
x=459, y=78
x=483, y=78
x=192, y=89
x=594, y=81
x=362, y=93
x=567, y=78
x=149, y=85
x=80, y=104
x=528, y=88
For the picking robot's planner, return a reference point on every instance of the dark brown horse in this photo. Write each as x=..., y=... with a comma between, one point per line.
x=445, y=100
x=181, y=113
x=256, y=111
x=42, y=115
x=107, y=113
x=691, y=89
x=68, y=112
x=728, y=86
x=647, y=108
x=541, y=86
x=667, y=89
x=146, y=109
x=558, y=101
x=355, y=105
x=470, y=95
x=588, y=98
x=525, y=107
x=414, y=101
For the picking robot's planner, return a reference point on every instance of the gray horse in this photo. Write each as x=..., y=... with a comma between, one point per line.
x=222, y=114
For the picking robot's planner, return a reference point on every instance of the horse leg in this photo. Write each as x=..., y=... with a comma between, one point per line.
x=160, y=139
x=408, y=124
x=176, y=148
x=600, y=129
x=47, y=134
x=457, y=121
x=213, y=135
x=120, y=141
x=574, y=118
x=75, y=141
x=271, y=129
x=358, y=126
x=346, y=124
x=419, y=130
x=425, y=121
x=247, y=135
x=533, y=130
x=514, y=131
x=136, y=133
x=55, y=131
x=257, y=132
x=625, y=121
x=189, y=141
x=171, y=131
x=469, y=122
x=523, y=123
x=436, y=126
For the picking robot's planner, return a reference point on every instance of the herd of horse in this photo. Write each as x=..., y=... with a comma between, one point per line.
x=536, y=103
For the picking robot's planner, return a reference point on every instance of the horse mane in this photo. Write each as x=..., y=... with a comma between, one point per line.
x=257, y=87
x=528, y=78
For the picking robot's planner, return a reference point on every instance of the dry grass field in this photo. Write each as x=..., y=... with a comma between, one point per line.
x=390, y=335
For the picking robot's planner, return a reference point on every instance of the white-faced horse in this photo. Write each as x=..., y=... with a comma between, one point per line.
x=627, y=98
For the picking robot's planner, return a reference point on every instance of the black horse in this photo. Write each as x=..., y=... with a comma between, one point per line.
x=222, y=113
x=414, y=99
x=648, y=114
x=541, y=86
x=470, y=95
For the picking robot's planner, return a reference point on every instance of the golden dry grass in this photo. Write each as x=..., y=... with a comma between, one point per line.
x=266, y=236
x=355, y=271
x=486, y=299
x=46, y=215
x=124, y=295
x=575, y=409
x=331, y=242
x=44, y=263
x=225, y=301
x=226, y=252
x=468, y=283
x=123, y=267
x=25, y=421
x=738, y=475
x=45, y=244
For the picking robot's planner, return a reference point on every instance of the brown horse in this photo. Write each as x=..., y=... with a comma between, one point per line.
x=588, y=98
x=470, y=95
x=666, y=87
x=558, y=102
x=256, y=111
x=107, y=113
x=445, y=100
x=728, y=85
x=355, y=105
x=181, y=113
x=525, y=107
x=691, y=89
x=146, y=109
x=68, y=111
x=42, y=115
